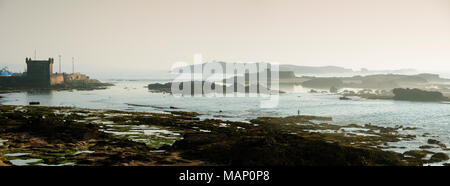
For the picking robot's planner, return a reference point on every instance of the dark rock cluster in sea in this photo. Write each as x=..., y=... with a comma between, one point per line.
x=214, y=88
x=418, y=95
x=403, y=94
x=72, y=136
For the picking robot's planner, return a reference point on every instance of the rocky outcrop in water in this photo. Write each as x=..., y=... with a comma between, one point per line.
x=214, y=88
x=418, y=95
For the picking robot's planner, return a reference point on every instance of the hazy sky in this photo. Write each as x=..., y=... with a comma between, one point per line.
x=127, y=36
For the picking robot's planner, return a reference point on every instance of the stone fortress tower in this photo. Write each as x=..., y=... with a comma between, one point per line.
x=39, y=72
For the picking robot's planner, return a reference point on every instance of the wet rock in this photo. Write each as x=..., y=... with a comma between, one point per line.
x=263, y=141
x=410, y=128
x=433, y=141
x=426, y=147
x=416, y=153
x=436, y=142
x=276, y=152
x=438, y=157
x=267, y=145
x=344, y=98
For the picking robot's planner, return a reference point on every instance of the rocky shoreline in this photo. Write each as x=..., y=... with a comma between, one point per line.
x=92, y=85
x=49, y=136
x=397, y=94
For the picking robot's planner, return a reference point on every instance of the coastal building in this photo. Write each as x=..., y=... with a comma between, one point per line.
x=40, y=73
x=75, y=76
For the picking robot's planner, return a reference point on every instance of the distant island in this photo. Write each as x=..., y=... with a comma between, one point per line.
x=310, y=70
x=372, y=86
x=332, y=76
x=379, y=81
x=315, y=70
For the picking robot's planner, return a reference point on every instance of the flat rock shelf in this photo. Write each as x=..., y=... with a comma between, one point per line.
x=66, y=136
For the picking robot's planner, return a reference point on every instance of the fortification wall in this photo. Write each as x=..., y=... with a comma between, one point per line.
x=75, y=76
x=56, y=79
